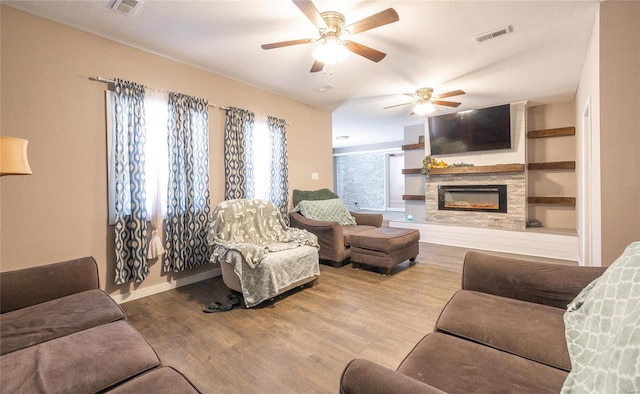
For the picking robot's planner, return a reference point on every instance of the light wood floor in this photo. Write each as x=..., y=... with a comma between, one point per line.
x=301, y=342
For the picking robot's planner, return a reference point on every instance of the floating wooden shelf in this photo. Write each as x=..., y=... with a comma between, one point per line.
x=478, y=169
x=408, y=171
x=551, y=132
x=555, y=165
x=568, y=201
x=413, y=197
x=413, y=146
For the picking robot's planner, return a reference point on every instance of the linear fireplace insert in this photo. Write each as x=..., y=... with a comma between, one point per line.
x=475, y=198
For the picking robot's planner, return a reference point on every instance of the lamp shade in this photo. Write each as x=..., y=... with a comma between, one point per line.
x=13, y=156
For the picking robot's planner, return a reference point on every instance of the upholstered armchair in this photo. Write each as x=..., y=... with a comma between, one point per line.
x=333, y=235
x=259, y=255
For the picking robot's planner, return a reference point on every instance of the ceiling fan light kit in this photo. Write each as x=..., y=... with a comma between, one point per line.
x=334, y=45
x=425, y=101
x=424, y=108
x=330, y=51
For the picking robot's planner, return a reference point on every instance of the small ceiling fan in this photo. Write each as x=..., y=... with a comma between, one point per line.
x=334, y=34
x=424, y=101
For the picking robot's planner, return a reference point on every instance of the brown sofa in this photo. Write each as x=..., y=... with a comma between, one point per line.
x=502, y=333
x=333, y=238
x=60, y=333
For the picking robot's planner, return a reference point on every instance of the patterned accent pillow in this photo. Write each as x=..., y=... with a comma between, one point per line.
x=321, y=194
x=602, y=326
x=326, y=210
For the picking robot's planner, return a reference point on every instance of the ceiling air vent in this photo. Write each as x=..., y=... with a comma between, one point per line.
x=324, y=88
x=126, y=7
x=495, y=33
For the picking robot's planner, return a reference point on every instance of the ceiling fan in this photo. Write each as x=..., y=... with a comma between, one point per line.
x=334, y=34
x=424, y=100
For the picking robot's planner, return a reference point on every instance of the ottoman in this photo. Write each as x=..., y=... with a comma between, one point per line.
x=384, y=247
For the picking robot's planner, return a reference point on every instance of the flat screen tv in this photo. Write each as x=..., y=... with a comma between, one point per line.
x=469, y=131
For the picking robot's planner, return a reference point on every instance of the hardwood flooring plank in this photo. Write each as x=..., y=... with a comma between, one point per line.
x=301, y=342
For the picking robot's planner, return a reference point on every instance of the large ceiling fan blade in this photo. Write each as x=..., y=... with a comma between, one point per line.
x=376, y=20
x=445, y=103
x=449, y=94
x=365, y=51
x=311, y=12
x=317, y=66
x=397, y=105
x=287, y=43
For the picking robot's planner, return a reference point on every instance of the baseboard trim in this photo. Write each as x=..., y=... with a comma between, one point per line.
x=525, y=242
x=162, y=287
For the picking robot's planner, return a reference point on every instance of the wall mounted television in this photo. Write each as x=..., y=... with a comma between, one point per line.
x=469, y=131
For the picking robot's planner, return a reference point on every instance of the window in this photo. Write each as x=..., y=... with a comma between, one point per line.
x=156, y=152
x=262, y=151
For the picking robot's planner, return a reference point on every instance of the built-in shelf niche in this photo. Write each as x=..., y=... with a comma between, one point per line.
x=550, y=166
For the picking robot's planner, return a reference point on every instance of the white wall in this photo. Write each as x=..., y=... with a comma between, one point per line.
x=588, y=153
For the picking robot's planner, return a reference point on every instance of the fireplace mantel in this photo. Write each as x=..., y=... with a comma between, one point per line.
x=498, y=168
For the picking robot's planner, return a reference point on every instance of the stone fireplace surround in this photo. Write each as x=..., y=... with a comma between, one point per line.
x=514, y=218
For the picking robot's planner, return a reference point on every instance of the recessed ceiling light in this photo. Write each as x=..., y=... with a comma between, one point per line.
x=342, y=137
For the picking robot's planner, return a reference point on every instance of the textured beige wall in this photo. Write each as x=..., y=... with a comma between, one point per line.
x=60, y=212
x=554, y=183
x=620, y=125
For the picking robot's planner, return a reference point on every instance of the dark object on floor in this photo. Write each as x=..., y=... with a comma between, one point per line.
x=503, y=332
x=234, y=299
x=217, y=307
x=61, y=334
x=534, y=223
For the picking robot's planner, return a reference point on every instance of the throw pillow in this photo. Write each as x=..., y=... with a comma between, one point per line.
x=314, y=195
x=602, y=327
x=326, y=210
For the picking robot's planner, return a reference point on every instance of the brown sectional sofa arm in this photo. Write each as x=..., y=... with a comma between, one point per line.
x=330, y=235
x=30, y=286
x=366, y=377
x=368, y=219
x=542, y=283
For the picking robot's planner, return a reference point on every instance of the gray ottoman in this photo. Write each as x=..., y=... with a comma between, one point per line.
x=384, y=247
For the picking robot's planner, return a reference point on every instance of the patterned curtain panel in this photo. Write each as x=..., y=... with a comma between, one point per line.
x=188, y=195
x=279, y=181
x=238, y=165
x=130, y=196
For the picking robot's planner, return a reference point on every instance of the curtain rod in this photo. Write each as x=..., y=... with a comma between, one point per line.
x=108, y=80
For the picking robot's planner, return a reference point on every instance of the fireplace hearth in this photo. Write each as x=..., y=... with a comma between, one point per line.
x=473, y=198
